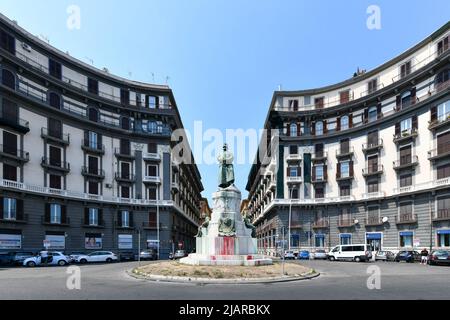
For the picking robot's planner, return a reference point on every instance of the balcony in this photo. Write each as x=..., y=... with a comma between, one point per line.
x=346, y=222
x=345, y=153
x=14, y=154
x=319, y=156
x=151, y=225
x=439, y=122
x=293, y=157
x=439, y=153
x=296, y=225
x=19, y=219
x=92, y=147
x=320, y=224
x=92, y=172
x=441, y=215
x=64, y=222
x=13, y=122
x=342, y=177
x=148, y=156
x=58, y=137
x=99, y=225
x=322, y=179
x=120, y=225
x=53, y=164
x=374, y=170
x=406, y=135
x=151, y=179
x=405, y=163
x=125, y=177
x=407, y=218
x=373, y=221
x=373, y=195
x=126, y=154
x=372, y=146
x=294, y=179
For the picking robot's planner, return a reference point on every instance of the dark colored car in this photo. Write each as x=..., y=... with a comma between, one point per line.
x=408, y=256
x=18, y=257
x=439, y=257
x=5, y=259
x=126, y=256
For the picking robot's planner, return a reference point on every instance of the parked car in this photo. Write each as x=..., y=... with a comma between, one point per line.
x=54, y=259
x=5, y=259
x=384, y=256
x=147, y=255
x=18, y=257
x=289, y=255
x=178, y=254
x=303, y=255
x=439, y=257
x=73, y=255
x=408, y=256
x=351, y=252
x=126, y=256
x=97, y=256
x=320, y=254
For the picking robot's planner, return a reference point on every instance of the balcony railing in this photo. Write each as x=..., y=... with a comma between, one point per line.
x=124, y=153
x=374, y=221
x=55, y=164
x=13, y=121
x=293, y=157
x=342, y=177
x=151, y=225
x=100, y=224
x=14, y=153
x=345, y=152
x=440, y=152
x=120, y=225
x=92, y=172
x=63, y=221
x=19, y=219
x=441, y=215
x=320, y=224
x=93, y=147
x=125, y=177
x=151, y=156
x=59, y=137
x=369, y=146
x=373, y=195
x=373, y=170
x=151, y=179
x=346, y=222
x=319, y=156
x=406, y=135
x=406, y=218
x=296, y=179
x=406, y=162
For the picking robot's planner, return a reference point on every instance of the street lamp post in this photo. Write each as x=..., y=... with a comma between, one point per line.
x=139, y=247
x=157, y=222
x=290, y=218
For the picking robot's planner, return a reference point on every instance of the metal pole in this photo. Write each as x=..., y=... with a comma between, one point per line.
x=139, y=247
x=290, y=218
x=283, y=250
x=157, y=221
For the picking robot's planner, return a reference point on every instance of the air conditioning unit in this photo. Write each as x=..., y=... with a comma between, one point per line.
x=26, y=47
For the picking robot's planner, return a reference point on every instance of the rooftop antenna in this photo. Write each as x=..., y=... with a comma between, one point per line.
x=90, y=60
x=167, y=79
x=130, y=73
x=279, y=87
x=153, y=77
x=45, y=38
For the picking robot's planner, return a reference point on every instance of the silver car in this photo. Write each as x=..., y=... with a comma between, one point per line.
x=320, y=254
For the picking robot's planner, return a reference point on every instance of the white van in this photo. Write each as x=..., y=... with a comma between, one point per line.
x=352, y=252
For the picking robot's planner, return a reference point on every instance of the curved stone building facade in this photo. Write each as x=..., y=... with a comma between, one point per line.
x=85, y=156
x=366, y=160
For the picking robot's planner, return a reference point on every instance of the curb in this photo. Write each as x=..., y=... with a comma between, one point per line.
x=177, y=279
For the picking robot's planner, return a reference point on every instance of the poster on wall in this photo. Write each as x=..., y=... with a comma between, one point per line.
x=93, y=242
x=125, y=241
x=56, y=242
x=10, y=241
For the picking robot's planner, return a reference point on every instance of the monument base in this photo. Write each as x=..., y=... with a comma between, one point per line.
x=226, y=260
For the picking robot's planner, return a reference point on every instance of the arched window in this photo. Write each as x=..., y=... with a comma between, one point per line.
x=152, y=127
x=442, y=79
x=345, y=123
x=93, y=114
x=319, y=128
x=125, y=123
x=373, y=114
x=8, y=79
x=54, y=100
x=293, y=130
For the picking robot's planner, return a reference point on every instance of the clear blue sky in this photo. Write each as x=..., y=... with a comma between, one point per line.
x=225, y=58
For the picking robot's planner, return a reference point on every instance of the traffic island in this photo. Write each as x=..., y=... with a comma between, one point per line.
x=173, y=271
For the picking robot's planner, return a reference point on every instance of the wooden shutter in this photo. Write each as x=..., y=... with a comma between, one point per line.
x=298, y=129
x=313, y=129
x=64, y=219
x=295, y=105
x=350, y=120
x=415, y=123
x=397, y=128
x=413, y=95
x=338, y=124
x=351, y=168
x=288, y=129
x=366, y=115
x=398, y=102
x=86, y=139
x=288, y=172
x=338, y=168
x=1, y=207
x=325, y=129
x=100, y=217
x=86, y=216
x=314, y=173
x=131, y=218
x=47, y=212
x=119, y=218
x=325, y=172
x=433, y=114
x=379, y=114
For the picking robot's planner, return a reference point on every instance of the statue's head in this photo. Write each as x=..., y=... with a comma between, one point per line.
x=225, y=147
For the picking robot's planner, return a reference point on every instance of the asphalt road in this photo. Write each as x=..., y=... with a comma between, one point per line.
x=338, y=280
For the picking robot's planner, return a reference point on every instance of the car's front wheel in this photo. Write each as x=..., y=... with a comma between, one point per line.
x=109, y=260
x=31, y=264
x=83, y=261
x=62, y=263
x=357, y=259
x=332, y=258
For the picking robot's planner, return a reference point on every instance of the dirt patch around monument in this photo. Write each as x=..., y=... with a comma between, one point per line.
x=176, y=269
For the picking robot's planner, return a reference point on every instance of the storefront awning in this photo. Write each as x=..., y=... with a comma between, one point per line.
x=374, y=236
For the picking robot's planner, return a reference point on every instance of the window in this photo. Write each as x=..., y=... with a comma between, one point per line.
x=442, y=45
x=125, y=123
x=319, y=192
x=293, y=130
x=152, y=148
x=152, y=193
x=405, y=180
x=293, y=150
x=443, y=143
x=125, y=192
x=372, y=86
x=372, y=186
x=319, y=102
x=55, y=181
x=406, y=209
x=9, y=143
x=319, y=128
x=293, y=105
x=319, y=241
x=345, y=123
x=344, y=191
x=92, y=187
x=344, y=96
x=345, y=146
x=443, y=111
x=93, y=114
x=372, y=114
x=125, y=170
x=405, y=69
x=443, y=171
x=372, y=139
x=92, y=86
x=406, y=125
x=294, y=193
x=54, y=100
x=125, y=218
x=55, y=128
x=345, y=239
x=372, y=164
x=442, y=79
x=8, y=79
x=406, y=239
x=443, y=238
x=152, y=171
x=443, y=206
x=125, y=146
x=124, y=96
x=152, y=102
x=406, y=99
x=293, y=172
x=345, y=169
x=7, y=42
x=319, y=172
x=93, y=164
x=9, y=172
x=54, y=69
x=93, y=217
x=152, y=127
x=9, y=209
x=93, y=140
x=405, y=155
x=55, y=213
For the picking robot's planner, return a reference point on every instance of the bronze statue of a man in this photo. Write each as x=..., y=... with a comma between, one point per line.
x=226, y=170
